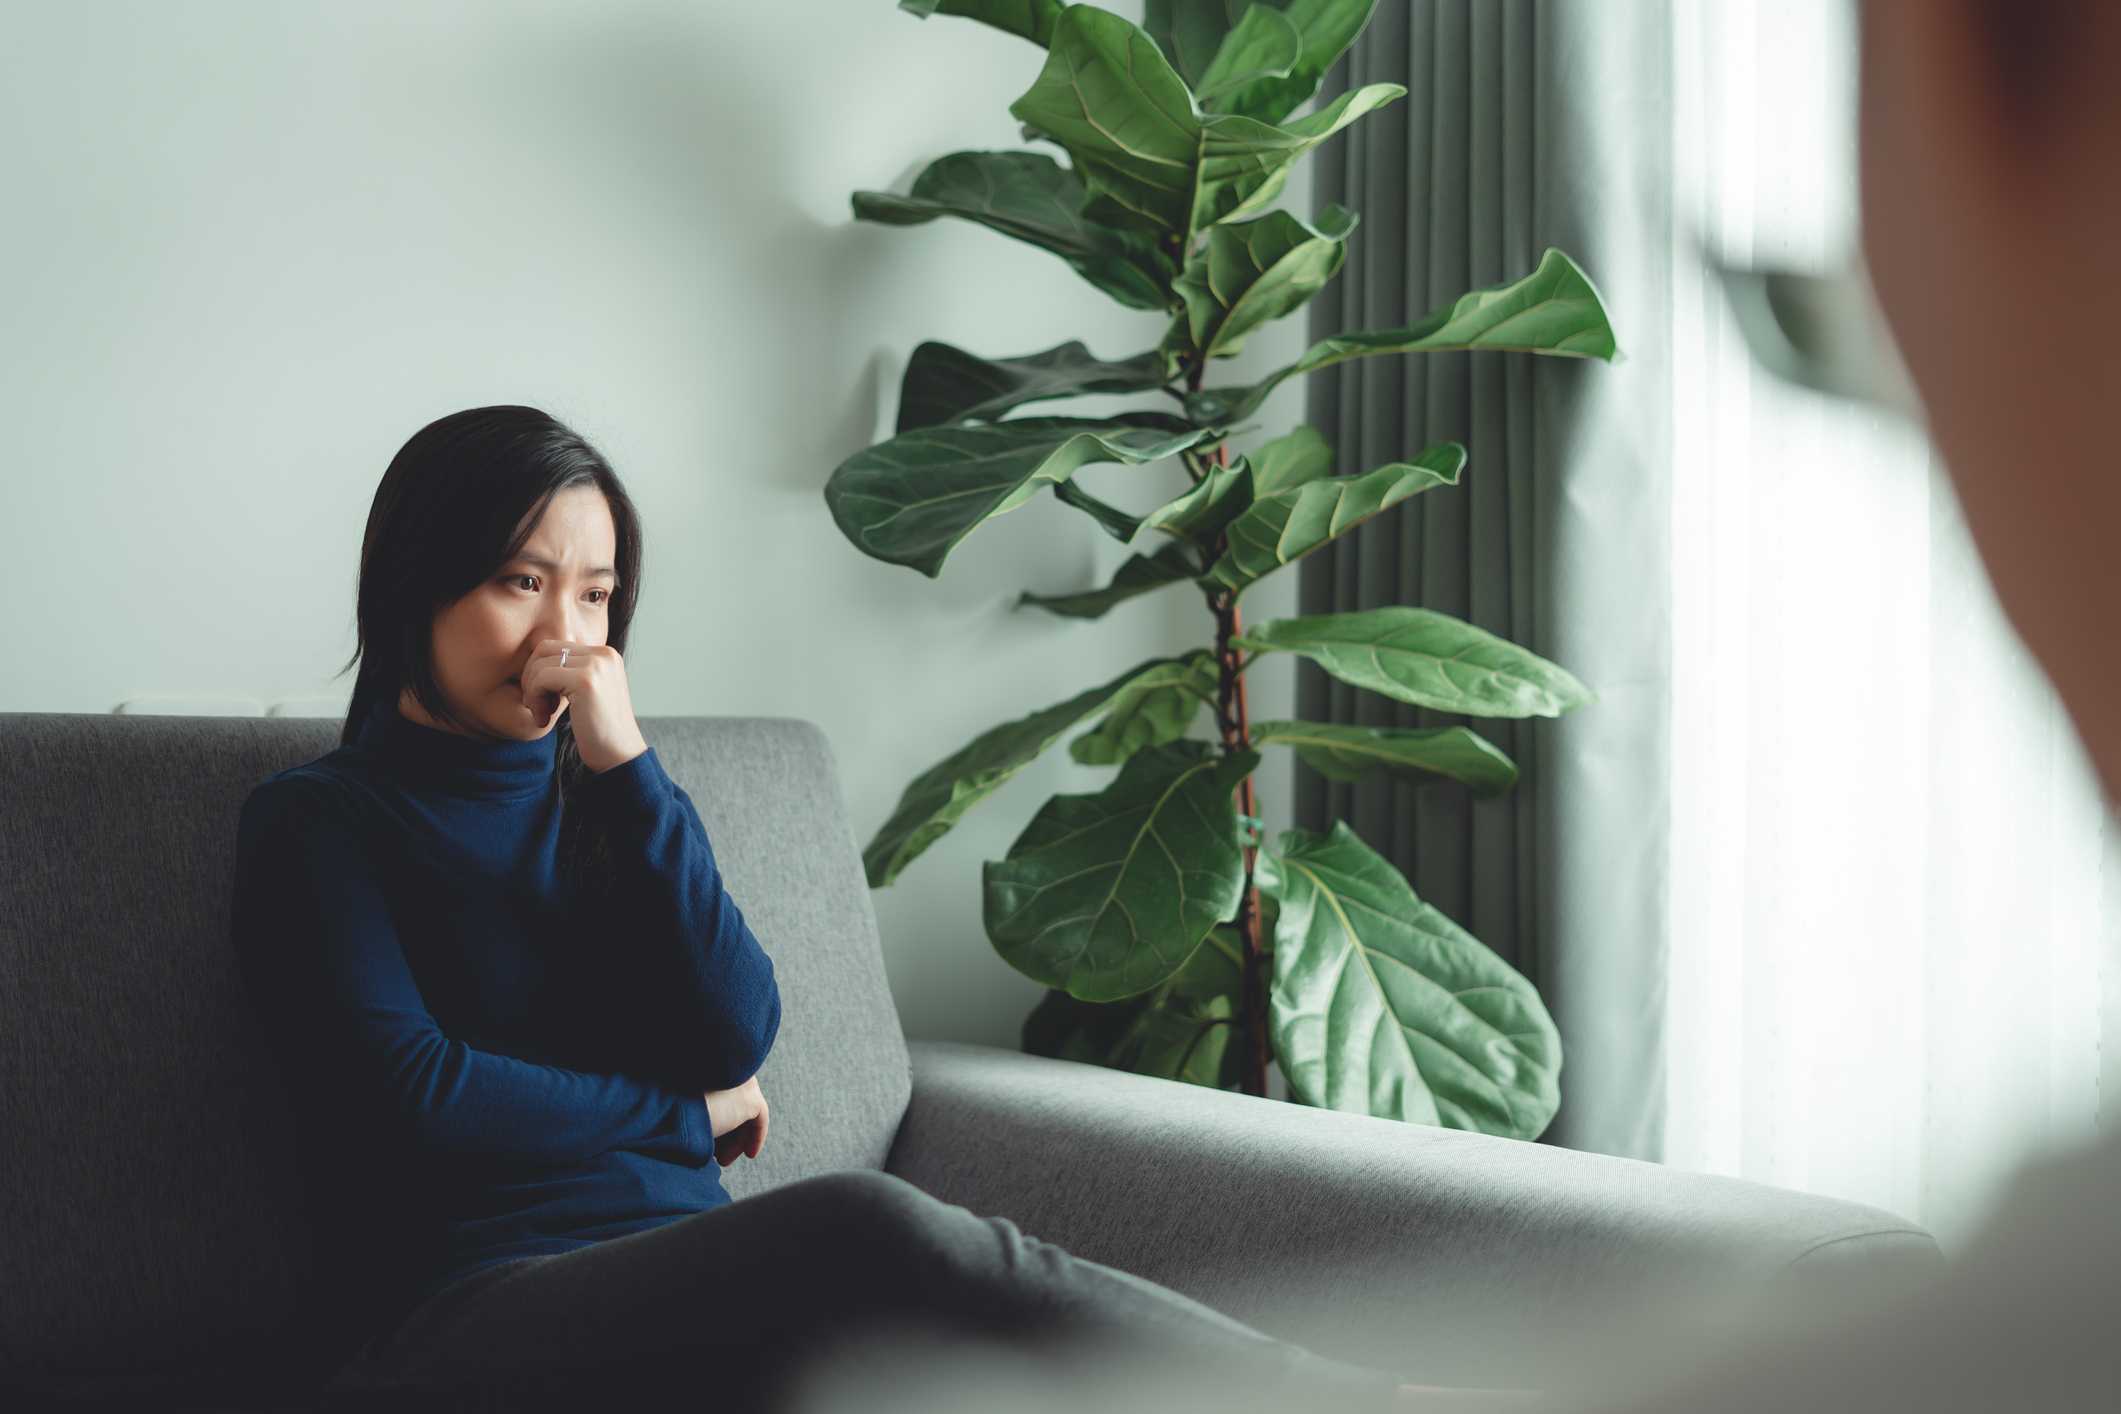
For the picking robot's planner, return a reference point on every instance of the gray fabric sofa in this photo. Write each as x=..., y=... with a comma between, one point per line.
x=156, y=1232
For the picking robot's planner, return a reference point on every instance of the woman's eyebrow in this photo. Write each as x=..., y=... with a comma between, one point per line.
x=550, y=567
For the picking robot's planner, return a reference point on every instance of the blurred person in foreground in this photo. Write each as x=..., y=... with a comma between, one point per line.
x=1991, y=169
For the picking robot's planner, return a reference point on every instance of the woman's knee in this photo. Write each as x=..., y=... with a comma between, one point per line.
x=888, y=1223
x=864, y=1201
x=897, y=1253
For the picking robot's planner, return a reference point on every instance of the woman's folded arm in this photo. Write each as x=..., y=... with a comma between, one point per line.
x=679, y=940
x=321, y=958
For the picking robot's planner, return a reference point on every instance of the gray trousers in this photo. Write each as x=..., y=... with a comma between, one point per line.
x=728, y=1309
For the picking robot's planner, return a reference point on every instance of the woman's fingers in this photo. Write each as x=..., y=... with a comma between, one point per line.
x=563, y=674
x=591, y=678
x=758, y=1134
x=556, y=664
x=575, y=662
x=744, y=1141
x=552, y=678
x=739, y=1118
x=729, y=1147
x=554, y=649
x=738, y=1105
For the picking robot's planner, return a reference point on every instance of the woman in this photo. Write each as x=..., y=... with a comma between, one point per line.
x=491, y=938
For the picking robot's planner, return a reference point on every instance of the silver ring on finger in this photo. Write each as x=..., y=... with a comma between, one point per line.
x=563, y=656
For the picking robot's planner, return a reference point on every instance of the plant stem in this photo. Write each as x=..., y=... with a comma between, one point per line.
x=1233, y=722
x=1233, y=726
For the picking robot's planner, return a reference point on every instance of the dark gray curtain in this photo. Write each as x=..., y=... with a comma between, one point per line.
x=1443, y=181
x=1526, y=125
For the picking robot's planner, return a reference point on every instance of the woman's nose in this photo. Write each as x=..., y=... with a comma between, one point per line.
x=559, y=619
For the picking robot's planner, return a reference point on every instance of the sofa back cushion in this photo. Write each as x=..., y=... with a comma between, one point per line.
x=838, y=1078
x=152, y=1210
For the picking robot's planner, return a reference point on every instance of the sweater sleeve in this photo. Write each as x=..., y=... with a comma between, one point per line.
x=320, y=956
x=694, y=969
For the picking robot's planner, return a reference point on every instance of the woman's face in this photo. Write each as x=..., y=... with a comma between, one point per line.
x=558, y=586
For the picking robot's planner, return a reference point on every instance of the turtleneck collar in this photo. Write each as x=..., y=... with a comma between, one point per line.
x=477, y=767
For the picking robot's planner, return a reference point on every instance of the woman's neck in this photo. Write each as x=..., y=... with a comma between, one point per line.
x=458, y=762
x=411, y=709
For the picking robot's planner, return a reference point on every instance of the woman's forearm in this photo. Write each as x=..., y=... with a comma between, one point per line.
x=470, y=1107
x=680, y=944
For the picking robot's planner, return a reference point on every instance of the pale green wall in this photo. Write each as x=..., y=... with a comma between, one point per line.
x=247, y=249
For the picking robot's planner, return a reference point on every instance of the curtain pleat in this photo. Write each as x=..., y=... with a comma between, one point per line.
x=1443, y=180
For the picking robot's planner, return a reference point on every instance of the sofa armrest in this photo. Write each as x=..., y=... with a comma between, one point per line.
x=1457, y=1257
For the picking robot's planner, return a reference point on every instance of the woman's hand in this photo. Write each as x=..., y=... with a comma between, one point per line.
x=592, y=681
x=739, y=1120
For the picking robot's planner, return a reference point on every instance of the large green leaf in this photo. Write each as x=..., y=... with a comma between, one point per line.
x=940, y=796
x=1191, y=32
x=1179, y=1031
x=1033, y=198
x=1200, y=514
x=1427, y=658
x=1140, y=574
x=1105, y=896
x=945, y=384
x=1325, y=29
x=1263, y=46
x=1110, y=518
x=1112, y=101
x=1247, y=273
x=910, y=500
x=1031, y=19
x=1244, y=163
x=1281, y=527
x=1195, y=35
x=1418, y=755
x=1303, y=455
x=1155, y=164
x=1154, y=710
x=1383, y=1006
x=1553, y=310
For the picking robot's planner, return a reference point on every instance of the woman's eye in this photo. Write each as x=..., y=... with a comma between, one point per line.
x=524, y=581
x=598, y=596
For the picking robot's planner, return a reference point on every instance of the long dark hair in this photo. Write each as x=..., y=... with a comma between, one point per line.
x=456, y=504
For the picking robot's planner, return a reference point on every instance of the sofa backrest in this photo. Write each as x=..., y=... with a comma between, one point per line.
x=153, y=1219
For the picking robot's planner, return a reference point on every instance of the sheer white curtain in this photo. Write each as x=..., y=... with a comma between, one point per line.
x=1894, y=891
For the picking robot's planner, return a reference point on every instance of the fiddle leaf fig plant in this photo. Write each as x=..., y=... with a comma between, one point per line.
x=1173, y=940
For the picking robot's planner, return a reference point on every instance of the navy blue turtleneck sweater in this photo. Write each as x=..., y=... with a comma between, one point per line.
x=491, y=1061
